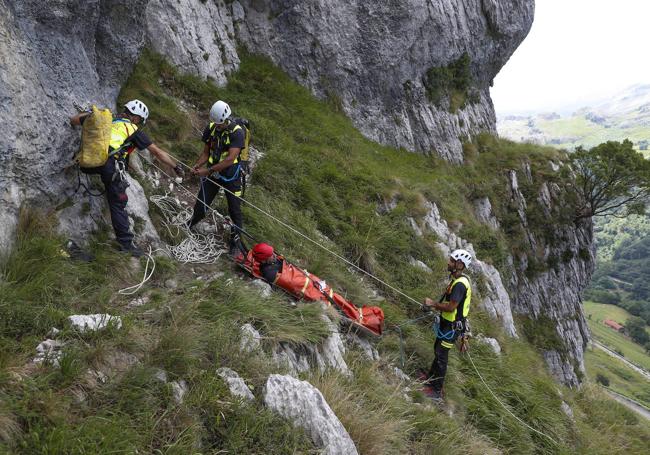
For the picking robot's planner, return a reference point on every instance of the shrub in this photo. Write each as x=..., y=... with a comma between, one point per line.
x=602, y=379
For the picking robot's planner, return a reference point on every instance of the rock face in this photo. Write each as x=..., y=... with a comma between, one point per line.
x=555, y=294
x=196, y=36
x=369, y=57
x=372, y=57
x=301, y=358
x=70, y=51
x=305, y=405
x=495, y=298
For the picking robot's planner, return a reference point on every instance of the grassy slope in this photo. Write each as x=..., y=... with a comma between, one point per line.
x=622, y=378
x=324, y=177
x=596, y=313
x=569, y=132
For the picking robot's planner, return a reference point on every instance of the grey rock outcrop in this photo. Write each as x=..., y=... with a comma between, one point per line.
x=420, y=265
x=483, y=210
x=70, y=51
x=554, y=294
x=49, y=351
x=179, y=390
x=491, y=342
x=262, y=287
x=567, y=410
x=301, y=358
x=302, y=403
x=250, y=338
x=368, y=350
x=92, y=322
x=372, y=57
x=197, y=37
x=236, y=384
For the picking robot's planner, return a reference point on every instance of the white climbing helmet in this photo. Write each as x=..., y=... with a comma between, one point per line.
x=462, y=255
x=220, y=112
x=137, y=107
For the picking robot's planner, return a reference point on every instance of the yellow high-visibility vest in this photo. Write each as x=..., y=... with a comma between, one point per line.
x=451, y=315
x=221, y=138
x=121, y=130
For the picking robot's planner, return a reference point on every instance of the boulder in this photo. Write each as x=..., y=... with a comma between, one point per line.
x=93, y=322
x=305, y=405
x=236, y=384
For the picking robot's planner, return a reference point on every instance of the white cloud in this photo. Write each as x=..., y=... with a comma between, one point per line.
x=576, y=51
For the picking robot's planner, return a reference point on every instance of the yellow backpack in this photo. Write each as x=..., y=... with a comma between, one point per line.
x=95, y=138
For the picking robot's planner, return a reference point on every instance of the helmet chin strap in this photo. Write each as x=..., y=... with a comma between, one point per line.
x=456, y=269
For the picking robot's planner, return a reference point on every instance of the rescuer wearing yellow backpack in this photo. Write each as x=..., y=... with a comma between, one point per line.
x=452, y=322
x=107, y=142
x=226, y=140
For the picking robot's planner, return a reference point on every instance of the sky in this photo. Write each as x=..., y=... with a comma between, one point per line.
x=577, y=51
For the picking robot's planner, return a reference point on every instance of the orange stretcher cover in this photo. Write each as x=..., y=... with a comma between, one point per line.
x=304, y=285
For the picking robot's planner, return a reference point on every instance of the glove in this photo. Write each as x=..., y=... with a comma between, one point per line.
x=179, y=170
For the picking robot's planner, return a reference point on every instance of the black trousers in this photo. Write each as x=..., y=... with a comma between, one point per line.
x=117, y=199
x=208, y=191
x=439, y=366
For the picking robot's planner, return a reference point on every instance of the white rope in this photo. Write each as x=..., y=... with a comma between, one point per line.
x=186, y=217
x=504, y=406
x=195, y=248
x=295, y=231
x=147, y=275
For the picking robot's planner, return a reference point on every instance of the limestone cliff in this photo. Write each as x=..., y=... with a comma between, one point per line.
x=376, y=60
x=71, y=51
x=550, y=299
x=371, y=58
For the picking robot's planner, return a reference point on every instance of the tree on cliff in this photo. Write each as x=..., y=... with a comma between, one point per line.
x=610, y=179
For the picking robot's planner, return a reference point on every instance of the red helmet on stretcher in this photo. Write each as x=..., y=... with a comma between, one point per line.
x=262, y=252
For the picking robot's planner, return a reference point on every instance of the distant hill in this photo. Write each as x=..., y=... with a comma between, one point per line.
x=625, y=115
x=623, y=264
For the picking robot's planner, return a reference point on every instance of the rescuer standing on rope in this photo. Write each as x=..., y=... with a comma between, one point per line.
x=454, y=308
x=224, y=141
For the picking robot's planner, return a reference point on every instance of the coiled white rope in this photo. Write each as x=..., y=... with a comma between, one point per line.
x=195, y=248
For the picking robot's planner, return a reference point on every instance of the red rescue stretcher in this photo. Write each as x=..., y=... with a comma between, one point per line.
x=304, y=285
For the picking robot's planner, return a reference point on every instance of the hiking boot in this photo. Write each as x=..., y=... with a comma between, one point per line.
x=75, y=252
x=131, y=249
x=430, y=392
